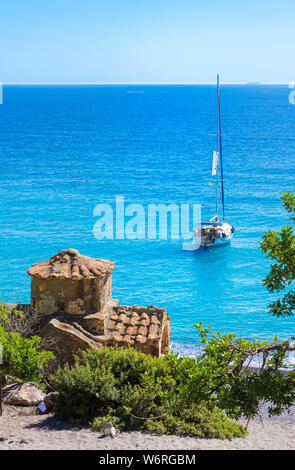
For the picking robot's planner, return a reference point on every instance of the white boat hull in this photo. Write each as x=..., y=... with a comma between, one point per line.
x=214, y=234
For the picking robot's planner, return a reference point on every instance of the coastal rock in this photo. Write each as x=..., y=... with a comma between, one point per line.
x=50, y=400
x=22, y=394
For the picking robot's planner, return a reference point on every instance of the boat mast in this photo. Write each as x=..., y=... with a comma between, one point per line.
x=221, y=166
x=217, y=145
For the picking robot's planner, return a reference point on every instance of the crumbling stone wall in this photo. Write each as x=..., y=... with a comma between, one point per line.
x=74, y=293
x=71, y=296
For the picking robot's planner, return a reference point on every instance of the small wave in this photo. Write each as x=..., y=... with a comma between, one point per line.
x=187, y=350
x=193, y=350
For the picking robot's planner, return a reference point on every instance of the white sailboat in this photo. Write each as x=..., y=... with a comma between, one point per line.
x=216, y=232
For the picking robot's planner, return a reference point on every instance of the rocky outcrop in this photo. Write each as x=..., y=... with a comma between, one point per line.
x=22, y=394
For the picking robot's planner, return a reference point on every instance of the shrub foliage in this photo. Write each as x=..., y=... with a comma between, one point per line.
x=177, y=395
x=279, y=246
x=137, y=391
x=23, y=357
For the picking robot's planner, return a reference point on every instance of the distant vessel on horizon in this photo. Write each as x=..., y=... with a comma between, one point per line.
x=216, y=232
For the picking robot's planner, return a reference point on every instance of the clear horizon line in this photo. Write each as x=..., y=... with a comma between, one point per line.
x=141, y=83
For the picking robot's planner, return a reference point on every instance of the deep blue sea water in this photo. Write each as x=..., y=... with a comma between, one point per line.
x=65, y=149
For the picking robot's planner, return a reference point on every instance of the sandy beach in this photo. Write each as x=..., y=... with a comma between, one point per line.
x=21, y=428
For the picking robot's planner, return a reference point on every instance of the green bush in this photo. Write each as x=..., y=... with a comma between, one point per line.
x=137, y=391
x=22, y=358
x=7, y=314
x=20, y=320
x=225, y=374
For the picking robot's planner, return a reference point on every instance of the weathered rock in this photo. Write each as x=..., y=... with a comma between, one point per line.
x=50, y=400
x=22, y=394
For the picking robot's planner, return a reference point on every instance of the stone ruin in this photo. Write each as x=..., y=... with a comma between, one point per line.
x=73, y=295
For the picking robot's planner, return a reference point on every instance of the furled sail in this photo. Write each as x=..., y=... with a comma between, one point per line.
x=215, y=162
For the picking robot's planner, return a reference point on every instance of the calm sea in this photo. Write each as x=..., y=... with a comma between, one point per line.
x=65, y=149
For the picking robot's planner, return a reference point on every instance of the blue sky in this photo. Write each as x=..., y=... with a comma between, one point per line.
x=116, y=41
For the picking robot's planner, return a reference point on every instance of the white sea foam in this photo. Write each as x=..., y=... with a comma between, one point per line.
x=194, y=350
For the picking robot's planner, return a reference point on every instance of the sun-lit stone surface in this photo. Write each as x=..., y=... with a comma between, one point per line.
x=74, y=291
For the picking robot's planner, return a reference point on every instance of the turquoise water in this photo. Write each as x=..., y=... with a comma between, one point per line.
x=65, y=149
